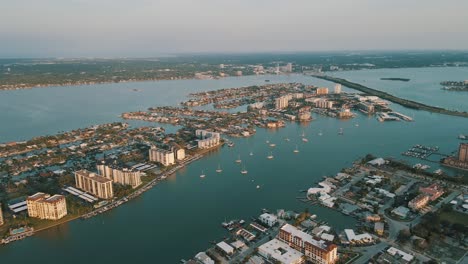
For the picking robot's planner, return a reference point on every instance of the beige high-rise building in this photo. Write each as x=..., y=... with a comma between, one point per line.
x=337, y=88
x=123, y=176
x=1, y=215
x=282, y=102
x=43, y=206
x=324, y=103
x=179, y=153
x=93, y=183
x=322, y=91
x=165, y=157
x=463, y=152
x=207, y=139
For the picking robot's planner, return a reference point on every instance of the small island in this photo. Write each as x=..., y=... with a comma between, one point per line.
x=395, y=79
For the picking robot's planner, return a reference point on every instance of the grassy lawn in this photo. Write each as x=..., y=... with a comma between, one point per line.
x=38, y=224
x=454, y=217
x=443, y=251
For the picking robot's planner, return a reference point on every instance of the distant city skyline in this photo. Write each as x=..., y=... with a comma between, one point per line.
x=144, y=28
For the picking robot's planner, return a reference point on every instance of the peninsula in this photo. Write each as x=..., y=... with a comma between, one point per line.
x=395, y=79
x=391, y=98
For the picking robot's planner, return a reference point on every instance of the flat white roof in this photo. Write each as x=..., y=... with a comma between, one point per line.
x=85, y=196
x=393, y=251
x=238, y=244
x=16, y=205
x=280, y=251
x=352, y=236
x=19, y=209
x=225, y=247
x=268, y=216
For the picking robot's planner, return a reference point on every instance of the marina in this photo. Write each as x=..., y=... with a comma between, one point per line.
x=422, y=152
x=186, y=185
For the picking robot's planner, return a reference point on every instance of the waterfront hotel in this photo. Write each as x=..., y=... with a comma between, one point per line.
x=93, y=183
x=316, y=251
x=43, y=206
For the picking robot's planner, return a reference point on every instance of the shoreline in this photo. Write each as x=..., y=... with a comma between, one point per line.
x=392, y=98
x=15, y=87
x=30, y=87
x=138, y=192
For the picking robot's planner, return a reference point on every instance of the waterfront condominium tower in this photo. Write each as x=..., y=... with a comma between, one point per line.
x=124, y=176
x=463, y=152
x=43, y=206
x=207, y=139
x=282, y=102
x=165, y=157
x=92, y=183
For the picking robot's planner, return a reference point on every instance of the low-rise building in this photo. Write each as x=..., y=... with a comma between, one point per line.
x=373, y=218
x=396, y=252
x=379, y=228
x=419, y=202
x=204, y=258
x=165, y=157
x=345, y=113
x=434, y=191
x=366, y=107
x=317, y=251
x=43, y=206
x=280, y=252
x=304, y=116
x=257, y=105
x=361, y=238
x=268, y=219
x=95, y=184
x=401, y=211
x=225, y=248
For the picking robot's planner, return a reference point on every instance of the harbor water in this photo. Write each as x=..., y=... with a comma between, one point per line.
x=180, y=216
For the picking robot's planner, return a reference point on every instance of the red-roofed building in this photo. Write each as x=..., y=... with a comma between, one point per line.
x=434, y=191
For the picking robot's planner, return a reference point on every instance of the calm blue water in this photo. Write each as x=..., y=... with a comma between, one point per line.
x=424, y=85
x=179, y=217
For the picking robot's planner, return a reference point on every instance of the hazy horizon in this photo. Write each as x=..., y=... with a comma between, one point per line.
x=144, y=28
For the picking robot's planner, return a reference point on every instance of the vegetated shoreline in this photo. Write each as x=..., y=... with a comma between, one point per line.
x=404, y=102
x=136, y=193
x=395, y=79
x=27, y=87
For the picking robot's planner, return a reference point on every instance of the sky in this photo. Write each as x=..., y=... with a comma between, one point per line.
x=146, y=28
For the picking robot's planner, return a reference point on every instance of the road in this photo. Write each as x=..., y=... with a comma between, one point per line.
x=241, y=256
x=368, y=252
